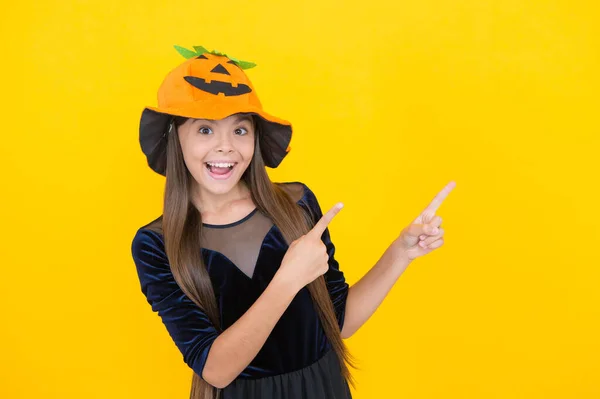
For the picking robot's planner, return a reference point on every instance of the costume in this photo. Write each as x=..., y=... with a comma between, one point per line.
x=297, y=360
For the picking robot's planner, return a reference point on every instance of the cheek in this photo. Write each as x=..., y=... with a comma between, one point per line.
x=246, y=149
x=199, y=151
x=194, y=155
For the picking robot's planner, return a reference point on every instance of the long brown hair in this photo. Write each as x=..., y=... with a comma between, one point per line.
x=182, y=224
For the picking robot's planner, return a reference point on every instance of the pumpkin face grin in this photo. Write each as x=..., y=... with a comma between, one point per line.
x=216, y=87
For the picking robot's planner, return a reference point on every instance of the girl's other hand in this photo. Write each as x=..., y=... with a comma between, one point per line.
x=306, y=258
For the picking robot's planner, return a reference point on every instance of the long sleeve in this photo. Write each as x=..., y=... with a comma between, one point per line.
x=334, y=277
x=188, y=326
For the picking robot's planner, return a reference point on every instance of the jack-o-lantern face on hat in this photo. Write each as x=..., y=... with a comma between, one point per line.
x=217, y=74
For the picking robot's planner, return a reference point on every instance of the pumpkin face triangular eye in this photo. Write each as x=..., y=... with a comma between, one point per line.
x=202, y=56
x=220, y=69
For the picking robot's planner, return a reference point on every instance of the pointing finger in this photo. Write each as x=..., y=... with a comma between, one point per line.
x=433, y=206
x=321, y=225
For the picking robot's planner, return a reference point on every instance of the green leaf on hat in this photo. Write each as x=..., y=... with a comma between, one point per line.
x=245, y=64
x=240, y=63
x=185, y=52
x=199, y=50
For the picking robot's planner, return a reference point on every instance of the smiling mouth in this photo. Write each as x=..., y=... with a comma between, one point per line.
x=220, y=169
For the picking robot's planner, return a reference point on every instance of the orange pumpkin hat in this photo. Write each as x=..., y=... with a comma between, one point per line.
x=209, y=85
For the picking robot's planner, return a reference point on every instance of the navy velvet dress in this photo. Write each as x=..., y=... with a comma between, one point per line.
x=296, y=360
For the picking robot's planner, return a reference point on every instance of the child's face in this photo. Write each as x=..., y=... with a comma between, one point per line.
x=205, y=142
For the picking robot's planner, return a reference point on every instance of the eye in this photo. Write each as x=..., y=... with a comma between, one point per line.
x=241, y=131
x=204, y=130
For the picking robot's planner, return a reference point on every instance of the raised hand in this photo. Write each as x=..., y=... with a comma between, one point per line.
x=425, y=233
x=307, y=257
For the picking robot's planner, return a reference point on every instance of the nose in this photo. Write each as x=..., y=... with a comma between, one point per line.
x=224, y=145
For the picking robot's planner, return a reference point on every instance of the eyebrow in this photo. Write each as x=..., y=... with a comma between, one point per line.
x=238, y=119
x=241, y=118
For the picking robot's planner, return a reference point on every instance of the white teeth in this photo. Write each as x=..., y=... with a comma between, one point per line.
x=221, y=165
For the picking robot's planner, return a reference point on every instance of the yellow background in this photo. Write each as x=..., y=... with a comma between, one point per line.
x=390, y=101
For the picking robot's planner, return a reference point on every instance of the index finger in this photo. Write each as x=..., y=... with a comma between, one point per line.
x=321, y=225
x=438, y=199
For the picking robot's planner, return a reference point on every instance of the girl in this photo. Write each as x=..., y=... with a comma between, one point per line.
x=241, y=270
